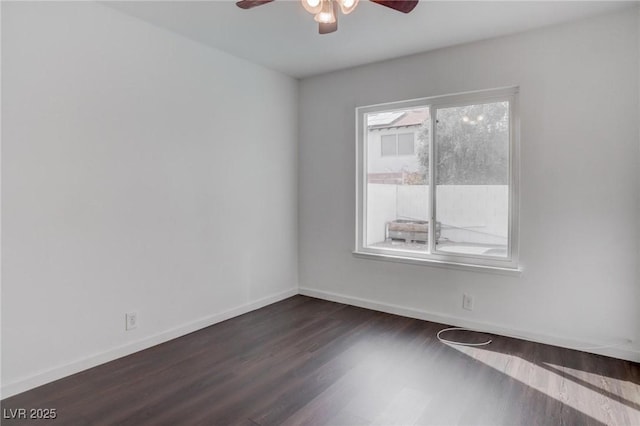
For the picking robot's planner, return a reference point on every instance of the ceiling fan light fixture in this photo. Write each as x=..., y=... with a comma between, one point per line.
x=325, y=11
x=348, y=6
x=326, y=14
x=312, y=6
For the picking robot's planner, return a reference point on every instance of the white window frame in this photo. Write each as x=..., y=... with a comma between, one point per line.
x=506, y=264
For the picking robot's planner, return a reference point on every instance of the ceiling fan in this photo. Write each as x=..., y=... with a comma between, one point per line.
x=325, y=10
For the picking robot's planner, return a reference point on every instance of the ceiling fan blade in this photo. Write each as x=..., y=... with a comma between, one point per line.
x=404, y=6
x=248, y=4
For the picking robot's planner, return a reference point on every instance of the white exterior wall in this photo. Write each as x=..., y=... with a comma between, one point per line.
x=484, y=208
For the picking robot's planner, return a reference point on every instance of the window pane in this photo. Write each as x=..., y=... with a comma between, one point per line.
x=388, y=144
x=405, y=144
x=472, y=176
x=397, y=195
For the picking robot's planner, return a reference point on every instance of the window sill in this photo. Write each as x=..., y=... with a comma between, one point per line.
x=514, y=272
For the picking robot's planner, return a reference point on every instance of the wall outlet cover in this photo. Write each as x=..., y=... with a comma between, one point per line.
x=131, y=319
x=467, y=302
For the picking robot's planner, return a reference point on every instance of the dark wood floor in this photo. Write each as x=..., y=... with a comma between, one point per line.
x=308, y=361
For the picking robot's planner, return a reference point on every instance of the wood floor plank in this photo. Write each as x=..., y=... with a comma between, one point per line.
x=313, y=362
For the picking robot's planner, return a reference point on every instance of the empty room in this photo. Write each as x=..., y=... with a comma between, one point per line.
x=320, y=212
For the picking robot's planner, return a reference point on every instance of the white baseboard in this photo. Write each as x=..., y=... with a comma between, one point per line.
x=616, y=350
x=47, y=376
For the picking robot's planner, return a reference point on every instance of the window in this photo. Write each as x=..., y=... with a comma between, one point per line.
x=397, y=144
x=405, y=144
x=466, y=145
x=388, y=143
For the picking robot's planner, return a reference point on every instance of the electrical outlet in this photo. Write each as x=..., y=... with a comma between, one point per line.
x=467, y=302
x=131, y=319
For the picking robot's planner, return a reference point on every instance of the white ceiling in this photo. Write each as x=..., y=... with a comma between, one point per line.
x=283, y=36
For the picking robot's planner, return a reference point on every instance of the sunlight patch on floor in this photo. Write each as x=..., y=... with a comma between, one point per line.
x=607, y=410
x=404, y=409
x=621, y=388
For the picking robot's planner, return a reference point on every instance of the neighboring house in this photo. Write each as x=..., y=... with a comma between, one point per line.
x=393, y=144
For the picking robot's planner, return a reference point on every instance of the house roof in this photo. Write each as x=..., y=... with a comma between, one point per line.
x=393, y=119
x=382, y=119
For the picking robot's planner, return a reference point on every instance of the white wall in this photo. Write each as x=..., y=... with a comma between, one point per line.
x=140, y=171
x=579, y=185
x=468, y=213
